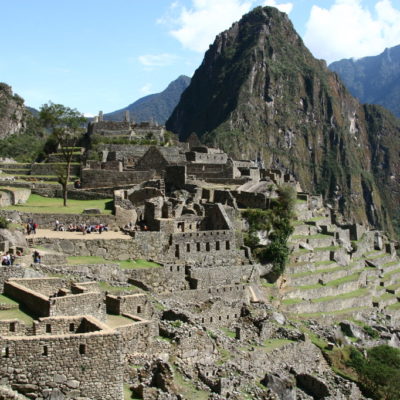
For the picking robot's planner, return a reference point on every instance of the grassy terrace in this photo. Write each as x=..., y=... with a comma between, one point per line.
x=327, y=248
x=126, y=264
x=343, y=296
x=316, y=272
x=45, y=205
x=16, y=313
x=315, y=236
x=388, y=275
x=335, y=282
x=7, y=300
x=394, y=307
x=333, y=313
x=114, y=321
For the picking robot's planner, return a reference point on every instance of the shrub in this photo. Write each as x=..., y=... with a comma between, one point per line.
x=3, y=223
x=378, y=372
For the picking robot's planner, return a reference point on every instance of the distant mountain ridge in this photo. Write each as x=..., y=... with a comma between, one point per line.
x=373, y=80
x=155, y=107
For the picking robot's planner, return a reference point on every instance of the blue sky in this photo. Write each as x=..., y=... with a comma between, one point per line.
x=103, y=55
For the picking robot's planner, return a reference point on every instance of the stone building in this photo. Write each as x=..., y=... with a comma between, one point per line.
x=63, y=357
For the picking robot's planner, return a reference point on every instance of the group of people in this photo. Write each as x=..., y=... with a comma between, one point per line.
x=31, y=227
x=7, y=259
x=84, y=228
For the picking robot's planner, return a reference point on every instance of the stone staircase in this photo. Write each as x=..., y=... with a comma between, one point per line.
x=328, y=273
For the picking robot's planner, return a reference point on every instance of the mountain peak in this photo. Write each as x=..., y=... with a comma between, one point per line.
x=259, y=90
x=155, y=107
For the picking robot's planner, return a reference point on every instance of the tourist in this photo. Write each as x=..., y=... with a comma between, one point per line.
x=36, y=257
x=57, y=223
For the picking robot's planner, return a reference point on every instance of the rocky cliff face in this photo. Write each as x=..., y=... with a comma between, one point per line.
x=12, y=112
x=373, y=80
x=259, y=91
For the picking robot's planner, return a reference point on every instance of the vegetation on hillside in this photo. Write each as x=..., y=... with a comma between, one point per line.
x=277, y=223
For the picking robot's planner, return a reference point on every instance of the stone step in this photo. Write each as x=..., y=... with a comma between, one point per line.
x=336, y=287
x=303, y=255
x=389, y=267
x=385, y=300
x=394, y=289
x=17, y=171
x=5, y=166
x=346, y=300
x=317, y=240
x=391, y=278
x=319, y=276
x=304, y=229
x=311, y=266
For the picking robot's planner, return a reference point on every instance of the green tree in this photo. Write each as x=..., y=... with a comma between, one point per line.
x=66, y=126
x=379, y=372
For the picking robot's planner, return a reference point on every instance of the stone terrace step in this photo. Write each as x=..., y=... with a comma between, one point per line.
x=317, y=240
x=336, y=287
x=353, y=299
x=17, y=171
x=320, y=275
x=4, y=166
x=387, y=299
x=391, y=278
x=319, y=254
x=304, y=229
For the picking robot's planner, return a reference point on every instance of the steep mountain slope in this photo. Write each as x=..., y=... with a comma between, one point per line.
x=260, y=91
x=156, y=107
x=12, y=112
x=373, y=80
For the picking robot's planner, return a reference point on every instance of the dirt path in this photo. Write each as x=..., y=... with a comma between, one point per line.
x=48, y=233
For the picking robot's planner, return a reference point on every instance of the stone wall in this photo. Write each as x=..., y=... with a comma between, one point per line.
x=89, y=303
x=12, y=327
x=8, y=272
x=35, y=302
x=41, y=297
x=136, y=304
x=205, y=278
x=44, y=286
x=51, y=169
x=12, y=196
x=207, y=158
x=137, y=336
x=91, y=178
x=47, y=221
x=229, y=292
x=206, y=171
x=76, y=365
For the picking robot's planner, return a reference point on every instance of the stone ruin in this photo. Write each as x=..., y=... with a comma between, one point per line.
x=203, y=311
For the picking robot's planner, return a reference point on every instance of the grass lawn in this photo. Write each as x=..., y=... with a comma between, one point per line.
x=7, y=300
x=16, y=313
x=126, y=264
x=272, y=344
x=46, y=205
x=114, y=321
x=187, y=388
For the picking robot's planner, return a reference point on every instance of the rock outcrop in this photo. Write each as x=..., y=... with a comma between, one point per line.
x=12, y=112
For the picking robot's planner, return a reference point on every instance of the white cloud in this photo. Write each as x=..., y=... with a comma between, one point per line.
x=348, y=29
x=146, y=89
x=284, y=7
x=198, y=26
x=88, y=115
x=157, y=60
